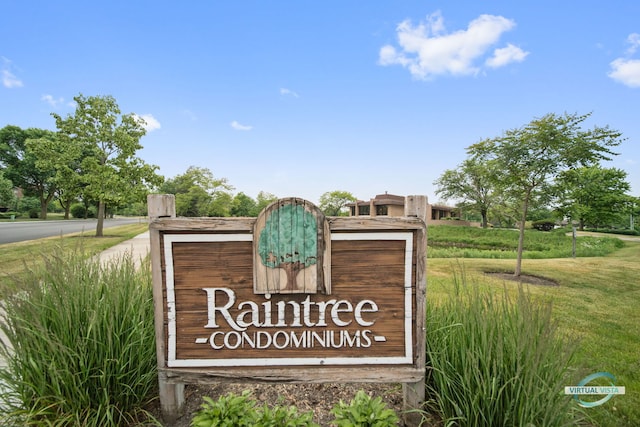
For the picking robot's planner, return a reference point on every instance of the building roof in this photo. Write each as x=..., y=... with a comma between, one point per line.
x=381, y=199
x=388, y=199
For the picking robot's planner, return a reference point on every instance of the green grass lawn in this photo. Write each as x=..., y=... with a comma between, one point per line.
x=15, y=257
x=597, y=303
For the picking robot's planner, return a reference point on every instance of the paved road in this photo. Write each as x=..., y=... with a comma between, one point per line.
x=19, y=231
x=619, y=236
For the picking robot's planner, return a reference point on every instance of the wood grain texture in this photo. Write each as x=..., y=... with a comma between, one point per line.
x=360, y=269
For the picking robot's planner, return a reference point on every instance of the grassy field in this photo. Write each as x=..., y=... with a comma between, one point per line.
x=15, y=257
x=596, y=302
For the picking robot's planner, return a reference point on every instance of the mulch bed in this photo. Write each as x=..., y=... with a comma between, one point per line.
x=524, y=278
x=318, y=398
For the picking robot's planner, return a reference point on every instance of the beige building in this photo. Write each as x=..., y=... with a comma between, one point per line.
x=381, y=205
x=392, y=205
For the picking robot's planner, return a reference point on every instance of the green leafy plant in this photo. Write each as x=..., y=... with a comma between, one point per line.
x=363, y=411
x=447, y=241
x=229, y=410
x=280, y=416
x=232, y=410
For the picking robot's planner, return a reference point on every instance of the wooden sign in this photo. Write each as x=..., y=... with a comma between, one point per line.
x=289, y=296
x=292, y=249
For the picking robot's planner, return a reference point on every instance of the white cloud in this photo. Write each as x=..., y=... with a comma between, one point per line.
x=49, y=99
x=285, y=91
x=634, y=40
x=506, y=55
x=626, y=71
x=427, y=50
x=9, y=80
x=148, y=122
x=237, y=126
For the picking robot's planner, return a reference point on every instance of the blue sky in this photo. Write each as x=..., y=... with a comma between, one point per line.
x=302, y=98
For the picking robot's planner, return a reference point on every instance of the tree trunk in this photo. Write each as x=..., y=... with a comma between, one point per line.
x=44, y=203
x=100, y=225
x=66, y=206
x=43, y=210
x=292, y=269
x=523, y=221
x=485, y=222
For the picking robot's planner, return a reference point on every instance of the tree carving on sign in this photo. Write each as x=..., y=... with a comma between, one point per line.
x=291, y=238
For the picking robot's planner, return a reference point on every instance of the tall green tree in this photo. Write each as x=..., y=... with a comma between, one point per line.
x=220, y=204
x=471, y=184
x=111, y=171
x=21, y=164
x=264, y=199
x=333, y=203
x=64, y=159
x=592, y=195
x=199, y=193
x=7, y=197
x=524, y=161
x=243, y=205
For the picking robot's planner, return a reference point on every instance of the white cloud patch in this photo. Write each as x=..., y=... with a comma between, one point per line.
x=9, y=80
x=285, y=91
x=237, y=126
x=506, y=55
x=427, y=50
x=634, y=41
x=627, y=70
x=49, y=99
x=148, y=122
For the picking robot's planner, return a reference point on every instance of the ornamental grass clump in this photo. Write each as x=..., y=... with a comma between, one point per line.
x=80, y=344
x=497, y=360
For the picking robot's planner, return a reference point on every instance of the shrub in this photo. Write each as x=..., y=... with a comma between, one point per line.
x=364, y=411
x=497, y=361
x=83, y=344
x=544, y=224
x=472, y=242
x=78, y=210
x=280, y=416
x=232, y=410
x=9, y=215
x=229, y=410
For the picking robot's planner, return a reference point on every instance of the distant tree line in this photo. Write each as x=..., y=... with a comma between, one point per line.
x=89, y=166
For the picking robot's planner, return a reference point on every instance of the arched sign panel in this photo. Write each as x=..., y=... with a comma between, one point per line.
x=292, y=249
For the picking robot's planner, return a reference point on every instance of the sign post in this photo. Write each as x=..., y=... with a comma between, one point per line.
x=290, y=296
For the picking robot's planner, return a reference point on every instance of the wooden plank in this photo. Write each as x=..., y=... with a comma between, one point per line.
x=355, y=224
x=294, y=375
x=414, y=392
x=171, y=393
